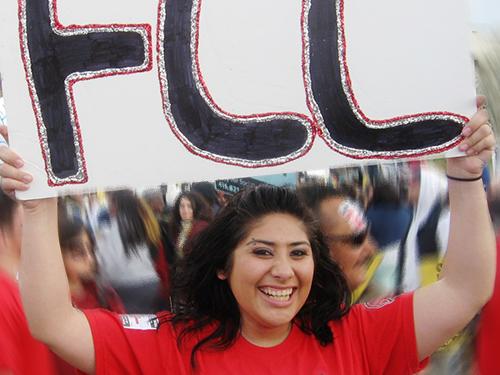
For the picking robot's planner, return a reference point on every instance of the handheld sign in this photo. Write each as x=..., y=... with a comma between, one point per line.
x=106, y=93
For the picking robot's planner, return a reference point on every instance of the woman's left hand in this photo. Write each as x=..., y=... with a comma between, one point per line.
x=478, y=144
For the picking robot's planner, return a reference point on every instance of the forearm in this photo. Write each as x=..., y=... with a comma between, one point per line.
x=43, y=282
x=469, y=267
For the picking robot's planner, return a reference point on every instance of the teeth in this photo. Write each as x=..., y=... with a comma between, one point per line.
x=278, y=294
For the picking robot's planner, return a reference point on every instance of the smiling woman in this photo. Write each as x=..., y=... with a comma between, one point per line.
x=270, y=277
x=258, y=259
x=259, y=293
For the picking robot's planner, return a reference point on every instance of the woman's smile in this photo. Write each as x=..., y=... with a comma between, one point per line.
x=271, y=274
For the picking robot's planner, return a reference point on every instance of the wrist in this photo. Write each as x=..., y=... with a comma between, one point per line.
x=464, y=179
x=461, y=173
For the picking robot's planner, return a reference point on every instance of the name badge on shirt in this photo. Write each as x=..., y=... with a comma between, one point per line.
x=140, y=322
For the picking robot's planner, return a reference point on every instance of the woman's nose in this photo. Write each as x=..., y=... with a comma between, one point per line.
x=282, y=269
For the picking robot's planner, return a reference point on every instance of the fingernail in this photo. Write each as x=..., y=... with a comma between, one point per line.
x=466, y=131
x=463, y=147
x=19, y=163
x=27, y=178
x=470, y=152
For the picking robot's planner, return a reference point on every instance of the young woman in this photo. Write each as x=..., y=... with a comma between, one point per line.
x=78, y=251
x=190, y=216
x=261, y=295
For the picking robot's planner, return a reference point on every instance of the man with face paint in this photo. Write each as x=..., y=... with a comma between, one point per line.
x=345, y=229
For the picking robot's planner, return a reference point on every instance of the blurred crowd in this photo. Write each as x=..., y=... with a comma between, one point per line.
x=386, y=225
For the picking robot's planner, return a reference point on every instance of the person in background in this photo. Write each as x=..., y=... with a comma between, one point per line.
x=207, y=191
x=20, y=353
x=130, y=254
x=344, y=229
x=78, y=250
x=156, y=201
x=190, y=216
x=390, y=215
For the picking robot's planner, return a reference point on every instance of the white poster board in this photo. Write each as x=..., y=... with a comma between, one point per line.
x=197, y=90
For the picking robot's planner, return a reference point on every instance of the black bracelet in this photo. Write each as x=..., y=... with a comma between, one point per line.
x=464, y=179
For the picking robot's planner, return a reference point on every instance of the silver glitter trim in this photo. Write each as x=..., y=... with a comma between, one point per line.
x=79, y=177
x=238, y=121
x=357, y=153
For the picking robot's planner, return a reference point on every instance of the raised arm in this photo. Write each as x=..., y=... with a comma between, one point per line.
x=466, y=282
x=43, y=283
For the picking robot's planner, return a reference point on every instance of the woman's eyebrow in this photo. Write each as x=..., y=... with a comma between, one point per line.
x=298, y=243
x=253, y=241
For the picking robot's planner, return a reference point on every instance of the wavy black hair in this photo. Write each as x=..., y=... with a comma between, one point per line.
x=136, y=221
x=201, y=211
x=205, y=301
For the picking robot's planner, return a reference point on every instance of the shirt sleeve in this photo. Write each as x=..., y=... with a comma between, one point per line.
x=9, y=356
x=133, y=344
x=387, y=332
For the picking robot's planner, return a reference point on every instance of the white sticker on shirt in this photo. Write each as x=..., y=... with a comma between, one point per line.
x=140, y=322
x=379, y=303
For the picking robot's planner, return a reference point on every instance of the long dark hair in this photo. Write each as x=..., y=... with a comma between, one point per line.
x=201, y=211
x=136, y=222
x=205, y=300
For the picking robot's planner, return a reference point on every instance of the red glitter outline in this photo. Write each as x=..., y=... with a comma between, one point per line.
x=374, y=154
x=60, y=27
x=190, y=147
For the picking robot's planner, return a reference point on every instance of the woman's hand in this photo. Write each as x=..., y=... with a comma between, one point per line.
x=12, y=178
x=478, y=144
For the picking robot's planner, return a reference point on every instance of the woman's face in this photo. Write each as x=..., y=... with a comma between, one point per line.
x=80, y=261
x=185, y=209
x=271, y=274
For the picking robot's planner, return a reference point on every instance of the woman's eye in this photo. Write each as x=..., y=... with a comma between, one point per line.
x=262, y=252
x=298, y=253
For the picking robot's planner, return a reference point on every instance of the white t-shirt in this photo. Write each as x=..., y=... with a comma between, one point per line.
x=118, y=269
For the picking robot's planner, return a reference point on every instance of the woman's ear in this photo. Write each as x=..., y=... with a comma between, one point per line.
x=221, y=275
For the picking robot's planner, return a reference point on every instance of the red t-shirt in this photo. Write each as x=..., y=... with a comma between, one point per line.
x=371, y=339
x=20, y=353
x=90, y=299
x=489, y=330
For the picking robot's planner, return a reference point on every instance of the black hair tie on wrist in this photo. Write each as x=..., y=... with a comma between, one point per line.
x=464, y=179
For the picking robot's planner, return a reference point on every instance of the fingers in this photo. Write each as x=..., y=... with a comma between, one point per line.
x=478, y=135
x=481, y=117
x=12, y=178
x=10, y=157
x=481, y=102
x=481, y=139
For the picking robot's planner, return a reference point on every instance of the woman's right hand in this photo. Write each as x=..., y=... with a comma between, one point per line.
x=12, y=178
